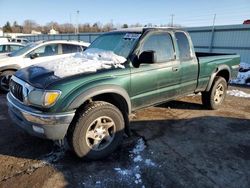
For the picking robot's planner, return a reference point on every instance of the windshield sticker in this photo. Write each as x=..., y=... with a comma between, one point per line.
x=132, y=36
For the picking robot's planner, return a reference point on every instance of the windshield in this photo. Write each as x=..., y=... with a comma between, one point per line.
x=119, y=43
x=23, y=50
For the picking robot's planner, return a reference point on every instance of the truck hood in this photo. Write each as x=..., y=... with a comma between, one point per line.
x=43, y=74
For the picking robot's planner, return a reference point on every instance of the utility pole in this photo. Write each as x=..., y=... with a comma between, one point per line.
x=214, y=20
x=212, y=35
x=172, y=20
x=70, y=20
x=77, y=27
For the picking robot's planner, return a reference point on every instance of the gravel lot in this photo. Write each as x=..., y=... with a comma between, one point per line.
x=177, y=144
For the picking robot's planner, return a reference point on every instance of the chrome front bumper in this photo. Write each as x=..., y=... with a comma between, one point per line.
x=38, y=123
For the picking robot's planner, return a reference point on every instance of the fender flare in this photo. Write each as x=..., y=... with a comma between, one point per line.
x=112, y=89
x=214, y=74
x=9, y=67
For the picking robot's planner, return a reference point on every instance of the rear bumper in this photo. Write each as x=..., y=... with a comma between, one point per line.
x=44, y=125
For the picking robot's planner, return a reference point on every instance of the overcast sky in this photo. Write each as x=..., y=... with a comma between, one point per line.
x=186, y=12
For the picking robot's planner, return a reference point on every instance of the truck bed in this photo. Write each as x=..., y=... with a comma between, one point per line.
x=207, y=54
x=208, y=63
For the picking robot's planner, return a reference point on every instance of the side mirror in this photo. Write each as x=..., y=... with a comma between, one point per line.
x=147, y=57
x=33, y=56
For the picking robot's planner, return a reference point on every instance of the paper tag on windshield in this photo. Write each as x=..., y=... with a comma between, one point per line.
x=132, y=36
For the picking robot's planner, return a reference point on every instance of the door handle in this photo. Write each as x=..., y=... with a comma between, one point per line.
x=175, y=69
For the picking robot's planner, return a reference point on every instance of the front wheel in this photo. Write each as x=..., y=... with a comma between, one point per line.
x=97, y=131
x=5, y=80
x=216, y=95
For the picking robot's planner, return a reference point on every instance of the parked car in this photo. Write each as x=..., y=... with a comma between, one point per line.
x=36, y=53
x=8, y=47
x=20, y=40
x=246, y=22
x=89, y=103
x=4, y=39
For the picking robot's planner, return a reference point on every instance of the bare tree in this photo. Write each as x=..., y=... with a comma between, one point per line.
x=125, y=26
x=7, y=28
x=28, y=25
x=136, y=25
x=95, y=27
x=16, y=28
x=53, y=25
x=108, y=27
x=66, y=28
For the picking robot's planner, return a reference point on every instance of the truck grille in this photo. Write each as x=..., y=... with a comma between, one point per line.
x=17, y=90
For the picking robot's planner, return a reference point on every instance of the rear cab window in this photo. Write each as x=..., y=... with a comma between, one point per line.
x=162, y=44
x=183, y=46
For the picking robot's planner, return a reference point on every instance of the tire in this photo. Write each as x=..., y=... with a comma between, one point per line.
x=97, y=131
x=4, y=80
x=216, y=95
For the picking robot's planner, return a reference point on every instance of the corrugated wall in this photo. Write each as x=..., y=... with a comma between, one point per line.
x=223, y=39
x=219, y=39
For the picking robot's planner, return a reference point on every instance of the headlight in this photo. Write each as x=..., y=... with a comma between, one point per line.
x=43, y=98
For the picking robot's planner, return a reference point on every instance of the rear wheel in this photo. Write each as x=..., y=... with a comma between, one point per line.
x=5, y=80
x=98, y=130
x=216, y=95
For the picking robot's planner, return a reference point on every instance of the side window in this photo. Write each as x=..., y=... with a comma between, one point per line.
x=162, y=44
x=2, y=48
x=183, y=45
x=70, y=48
x=14, y=47
x=46, y=50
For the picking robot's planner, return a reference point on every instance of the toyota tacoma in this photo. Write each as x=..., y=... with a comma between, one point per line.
x=88, y=98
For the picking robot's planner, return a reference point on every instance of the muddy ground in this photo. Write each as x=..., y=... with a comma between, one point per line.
x=177, y=144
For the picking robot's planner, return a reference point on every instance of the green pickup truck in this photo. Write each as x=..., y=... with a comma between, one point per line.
x=88, y=99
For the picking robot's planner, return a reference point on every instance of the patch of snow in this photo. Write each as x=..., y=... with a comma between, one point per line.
x=149, y=162
x=244, y=65
x=140, y=146
x=138, y=178
x=48, y=159
x=124, y=172
x=238, y=93
x=243, y=74
x=134, y=172
x=89, y=61
x=194, y=94
x=138, y=158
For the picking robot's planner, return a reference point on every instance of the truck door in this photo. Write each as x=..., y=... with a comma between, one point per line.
x=154, y=83
x=189, y=64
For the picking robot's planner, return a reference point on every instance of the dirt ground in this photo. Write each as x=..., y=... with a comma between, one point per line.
x=177, y=144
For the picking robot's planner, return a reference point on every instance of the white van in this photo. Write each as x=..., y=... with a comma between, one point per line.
x=19, y=40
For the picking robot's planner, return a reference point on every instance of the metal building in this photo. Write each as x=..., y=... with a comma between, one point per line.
x=218, y=39
x=223, y=39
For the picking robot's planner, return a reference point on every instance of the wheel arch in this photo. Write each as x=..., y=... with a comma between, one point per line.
x=114, y=95
x=222, y=71
x=9, y=68
x=105, y=93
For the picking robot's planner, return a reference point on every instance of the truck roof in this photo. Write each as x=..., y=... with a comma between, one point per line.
x=143, y=29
